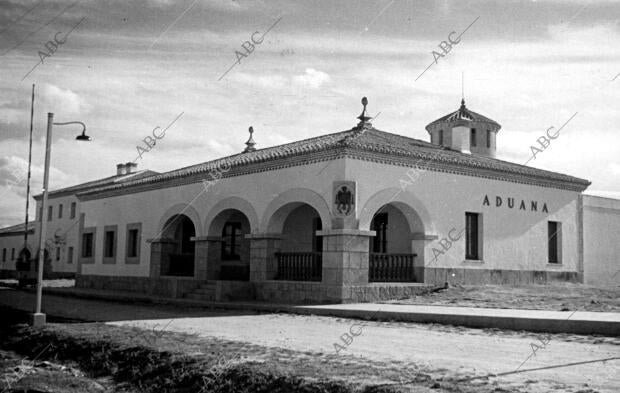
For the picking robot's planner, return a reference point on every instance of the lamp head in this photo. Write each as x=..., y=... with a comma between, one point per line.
x=83, y=137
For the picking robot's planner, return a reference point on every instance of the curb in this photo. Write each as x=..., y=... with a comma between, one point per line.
x=570, y=324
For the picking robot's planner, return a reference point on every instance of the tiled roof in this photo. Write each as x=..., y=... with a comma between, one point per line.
x=363, y=143
x=16, y=229
x=464, y=114
x=116, y=179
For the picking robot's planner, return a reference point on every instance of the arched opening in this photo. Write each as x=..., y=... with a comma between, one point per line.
x=301, y=250
x=394, y=249
x=23, y=260
x=229, y=254
x=27, y=267
x=179, y=260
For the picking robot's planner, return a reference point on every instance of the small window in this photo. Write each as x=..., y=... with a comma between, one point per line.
x=70, y=255
x=50, y=212
x=60, y=211
x=58, y=253
x=231, y=240
x=379, y=225
x=472, y=137
x=72, y=210
x=12, y=254
x=87, y=245
x=472, y=238
x=108, y=244
x=4, y=255
x=489, y=138
x=132, y=243
x=133, y=233
x=440, y=142
x=554, y=235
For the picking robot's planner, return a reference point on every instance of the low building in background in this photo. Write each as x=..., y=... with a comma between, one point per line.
x=62, y=215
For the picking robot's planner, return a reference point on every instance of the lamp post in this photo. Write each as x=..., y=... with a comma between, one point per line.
x=38, y=318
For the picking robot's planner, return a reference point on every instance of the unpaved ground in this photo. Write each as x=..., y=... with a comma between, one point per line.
x=18, y=374
x=553, y=297
x=304, y=345
x=446, y=352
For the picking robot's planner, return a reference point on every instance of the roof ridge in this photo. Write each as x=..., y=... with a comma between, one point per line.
x=361, y=139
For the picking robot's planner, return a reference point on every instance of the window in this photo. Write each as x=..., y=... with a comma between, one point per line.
x=554, y=230
x=231, y=239
x=70, y=255
x=440, y=142
x=87, y=245
x=58, y=253
x=379, y=225
x=132, y=243
x=472, y=238
x=50, y=211
x=488, y=138
x=72, y=210
x=472, y=137
x=41, y=213
x=60, y=211
x=108, y=244
x=12, y=254
x=4, y=255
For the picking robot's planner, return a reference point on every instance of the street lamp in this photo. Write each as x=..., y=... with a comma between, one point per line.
x=38, y=318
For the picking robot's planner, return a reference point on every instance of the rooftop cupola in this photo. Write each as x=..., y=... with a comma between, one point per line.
x=466, y=131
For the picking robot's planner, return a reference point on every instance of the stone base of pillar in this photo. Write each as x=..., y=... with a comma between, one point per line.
x=37, y=320
x=160, y=249
x=345, y=261
x=263, y=263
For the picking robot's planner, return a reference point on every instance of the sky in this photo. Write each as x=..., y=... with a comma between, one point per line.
x=126, y=67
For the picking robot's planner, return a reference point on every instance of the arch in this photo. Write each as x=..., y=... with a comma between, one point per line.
x=408, y=204
x=27, y=248
x=228, y=255
x=232, y=203
x=277, y=211
x=179, y=210
x=180, y=256
x=299, y=230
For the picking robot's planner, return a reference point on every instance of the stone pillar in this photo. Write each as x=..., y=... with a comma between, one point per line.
x=160, y=248
x=214, y=257
x=345, y=261
x=263, y=263
x=201, y=260
x=418, y=246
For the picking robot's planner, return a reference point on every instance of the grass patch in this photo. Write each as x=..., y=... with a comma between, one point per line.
x=135, y=359
x=149, y=370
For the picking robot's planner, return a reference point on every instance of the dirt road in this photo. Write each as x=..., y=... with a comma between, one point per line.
x=461, y=352
x=451, y=352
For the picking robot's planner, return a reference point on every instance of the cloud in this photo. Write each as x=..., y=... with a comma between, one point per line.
x=14, y=178
x=220, y=5
x=62, y=101
x=312, y=79
x=13, y=171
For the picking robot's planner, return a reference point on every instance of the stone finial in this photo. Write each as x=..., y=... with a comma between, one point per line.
x=364, y=118
x=250, y=143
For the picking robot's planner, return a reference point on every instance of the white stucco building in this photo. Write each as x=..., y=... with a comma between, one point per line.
x=335, y=217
